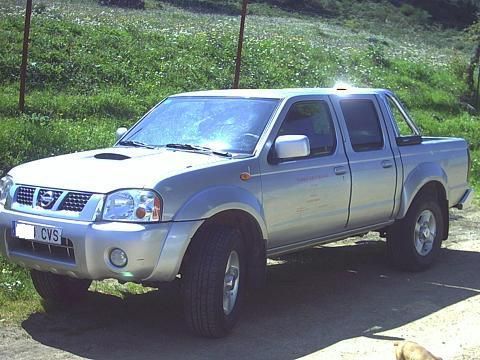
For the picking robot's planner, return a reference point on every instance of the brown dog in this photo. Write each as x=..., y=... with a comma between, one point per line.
x=408, y=350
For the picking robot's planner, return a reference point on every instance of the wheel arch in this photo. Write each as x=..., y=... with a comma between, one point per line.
x=212, y=202
x=422, y=178
x=435, y=189
x=252, y=235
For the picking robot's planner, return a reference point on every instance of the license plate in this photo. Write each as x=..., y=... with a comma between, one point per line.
x=41, y=233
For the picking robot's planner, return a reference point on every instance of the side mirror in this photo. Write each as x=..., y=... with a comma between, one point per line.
x=292, y=146
x=120, y=132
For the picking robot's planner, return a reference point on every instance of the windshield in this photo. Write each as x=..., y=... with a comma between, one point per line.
x=223, y=124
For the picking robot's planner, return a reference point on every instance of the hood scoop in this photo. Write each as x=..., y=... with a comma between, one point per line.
x=111, y=156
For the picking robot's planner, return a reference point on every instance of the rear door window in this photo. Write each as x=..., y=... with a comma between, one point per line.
x=363, y=124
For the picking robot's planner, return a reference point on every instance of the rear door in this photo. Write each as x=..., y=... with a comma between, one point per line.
x=306, y=198
x=371, y=160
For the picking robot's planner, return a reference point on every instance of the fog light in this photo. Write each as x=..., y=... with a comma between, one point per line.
x=118, y=258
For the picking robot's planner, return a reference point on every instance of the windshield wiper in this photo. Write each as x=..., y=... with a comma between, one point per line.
x=203, y=149
x=135, y=144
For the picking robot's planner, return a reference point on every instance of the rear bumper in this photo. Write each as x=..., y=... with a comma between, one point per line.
x=466, y=200
x=154, y=251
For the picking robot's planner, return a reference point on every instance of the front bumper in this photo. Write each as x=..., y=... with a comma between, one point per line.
x=154, y=251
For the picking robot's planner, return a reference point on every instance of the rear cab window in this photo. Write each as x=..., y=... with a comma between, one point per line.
x=363, y=124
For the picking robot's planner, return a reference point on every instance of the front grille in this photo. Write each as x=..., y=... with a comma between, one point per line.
x=75, y=201
x=54, y=195
x=25, y=195
x=64, y=252
x=49, y=199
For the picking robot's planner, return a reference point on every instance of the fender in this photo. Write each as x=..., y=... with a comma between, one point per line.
x=214, y=200
x=418, y=177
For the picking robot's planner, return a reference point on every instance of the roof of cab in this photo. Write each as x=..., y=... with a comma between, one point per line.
x=282, y=93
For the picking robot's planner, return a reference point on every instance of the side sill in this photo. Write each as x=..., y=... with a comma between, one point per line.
x=324, y=240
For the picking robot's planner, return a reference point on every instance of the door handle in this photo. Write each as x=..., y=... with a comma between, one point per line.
x=387, y=164
x=340, y=170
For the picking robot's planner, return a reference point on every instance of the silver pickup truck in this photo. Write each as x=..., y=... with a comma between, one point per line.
x=208, y=184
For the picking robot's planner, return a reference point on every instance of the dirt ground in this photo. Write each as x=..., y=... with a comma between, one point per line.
x=337, y=302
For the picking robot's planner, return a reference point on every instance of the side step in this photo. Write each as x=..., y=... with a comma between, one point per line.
x=466, y=200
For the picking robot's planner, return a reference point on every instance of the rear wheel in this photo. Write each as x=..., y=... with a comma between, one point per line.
x=213, y=281
x=413, y=243
x=59, y=289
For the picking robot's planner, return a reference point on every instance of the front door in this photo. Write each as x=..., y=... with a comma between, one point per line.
x=307, y=198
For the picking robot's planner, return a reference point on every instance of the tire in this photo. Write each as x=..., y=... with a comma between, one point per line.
x=58, y=289
x=216, y=252
x=413, y=242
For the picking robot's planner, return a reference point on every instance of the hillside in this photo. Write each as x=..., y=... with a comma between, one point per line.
x=446, y=13
x=93, y=68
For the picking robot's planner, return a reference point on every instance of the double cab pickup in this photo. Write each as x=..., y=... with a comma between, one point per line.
x=208, y=184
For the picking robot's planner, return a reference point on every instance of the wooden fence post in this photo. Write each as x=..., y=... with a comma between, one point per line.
x=23, y=67
x=238, y=62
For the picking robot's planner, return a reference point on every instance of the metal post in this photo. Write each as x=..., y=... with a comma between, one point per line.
x=23, y=67
x=238, y=62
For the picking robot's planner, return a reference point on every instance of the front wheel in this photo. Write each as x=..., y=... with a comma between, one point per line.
x=414, y=242
x=58, y=289
x=213, y=281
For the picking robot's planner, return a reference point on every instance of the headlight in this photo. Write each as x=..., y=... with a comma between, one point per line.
x=133, y=205
x=6, y=184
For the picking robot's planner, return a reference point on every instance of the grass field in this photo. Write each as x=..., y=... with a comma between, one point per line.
x=94, y=68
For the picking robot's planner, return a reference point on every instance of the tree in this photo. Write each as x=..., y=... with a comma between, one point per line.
x=473, y=34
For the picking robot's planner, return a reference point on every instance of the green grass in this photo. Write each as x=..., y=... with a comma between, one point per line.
x=89, y=62
x=17, y=295
x=35, y=136
x=93, y=69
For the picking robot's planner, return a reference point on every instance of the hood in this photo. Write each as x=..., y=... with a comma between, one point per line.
x=105, y=170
